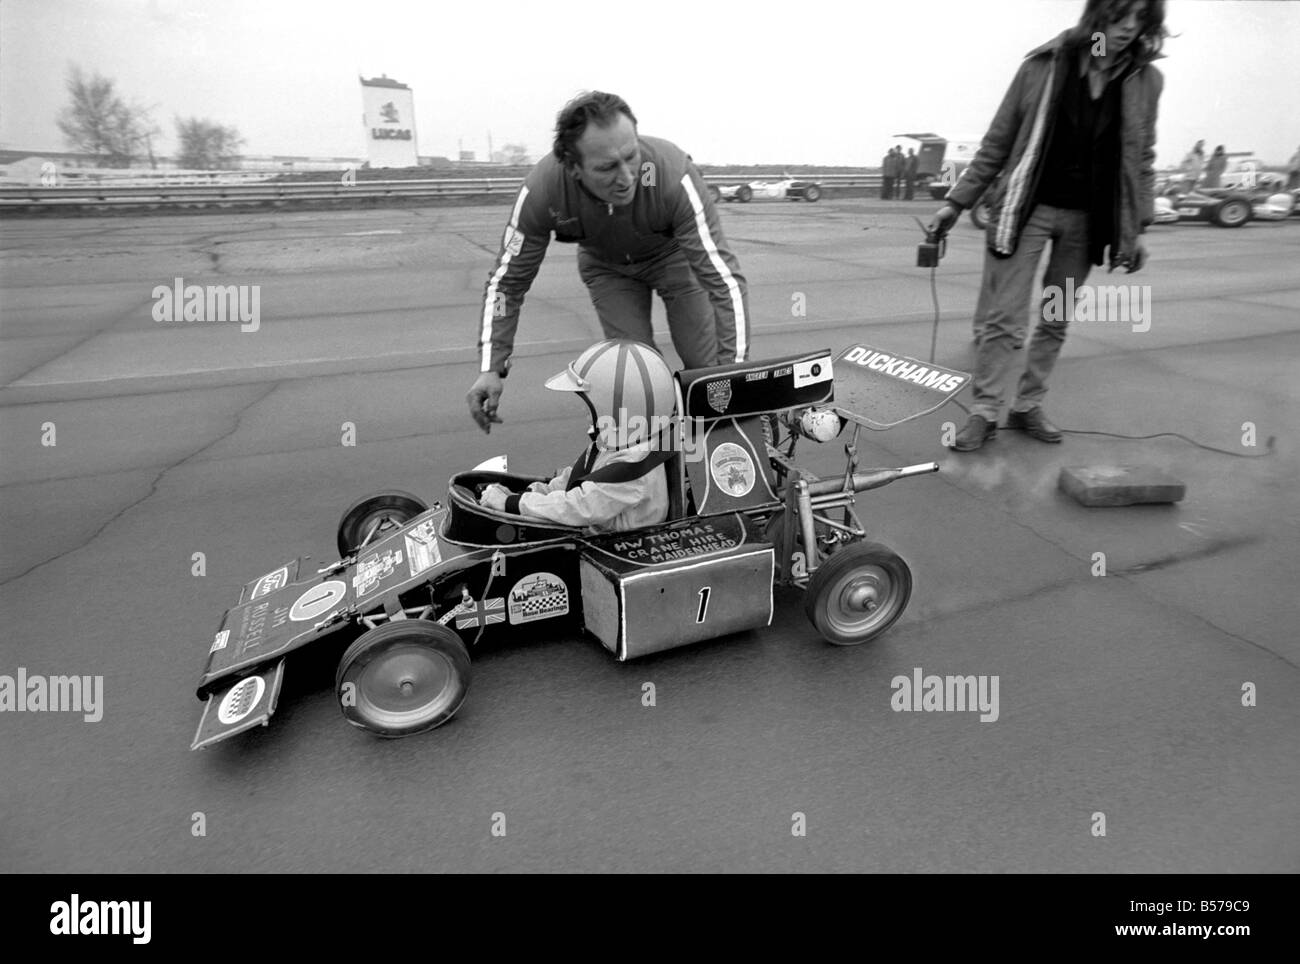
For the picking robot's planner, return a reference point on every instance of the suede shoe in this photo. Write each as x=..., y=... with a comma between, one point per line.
x=978, y=430
x=1035, y=423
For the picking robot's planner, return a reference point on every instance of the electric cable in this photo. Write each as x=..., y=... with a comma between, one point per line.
x=1269, y=443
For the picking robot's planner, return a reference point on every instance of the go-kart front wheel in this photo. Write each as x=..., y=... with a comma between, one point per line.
x=403, y=677
x=858, y=593
x=367, y=518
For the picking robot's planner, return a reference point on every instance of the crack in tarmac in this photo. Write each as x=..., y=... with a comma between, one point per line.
x=153, y=488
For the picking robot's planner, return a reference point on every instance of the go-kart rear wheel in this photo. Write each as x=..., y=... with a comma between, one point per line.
x=1232, y=213
x=979, y=215
x=812, y=193
x=403, y=677
x=367, y=518
x=744, y=193
x=714, y=193
x=858, y=593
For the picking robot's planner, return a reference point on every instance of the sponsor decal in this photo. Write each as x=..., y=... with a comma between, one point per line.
x=481, y=613
x=374, y=569
x=241, y=700
x=906, y=369
x=812, y=372
x=271, y=582
x=422, y=550
x=219, y=641
x=732, y=469
x=719, y=393
x=543, y=595
x=318, y=600
x=687, y=542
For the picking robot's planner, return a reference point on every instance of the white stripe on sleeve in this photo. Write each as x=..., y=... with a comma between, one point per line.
x=490, y=298
x=720, y=266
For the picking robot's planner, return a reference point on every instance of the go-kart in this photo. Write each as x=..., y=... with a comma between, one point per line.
x=416, y=588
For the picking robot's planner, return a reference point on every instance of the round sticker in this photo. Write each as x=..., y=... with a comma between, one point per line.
x=241, y=700
x=319, y=599
x=732, y=469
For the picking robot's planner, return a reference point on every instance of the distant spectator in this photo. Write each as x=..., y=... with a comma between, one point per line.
x=1293, y=171
x=1193, y=164
x=909, y=175
x=1215, y=167
x=886, y=180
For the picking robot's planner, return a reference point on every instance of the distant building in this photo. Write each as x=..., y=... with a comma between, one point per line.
x=389, y=119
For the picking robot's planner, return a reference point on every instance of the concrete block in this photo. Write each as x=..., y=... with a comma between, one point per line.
x=1111, y=485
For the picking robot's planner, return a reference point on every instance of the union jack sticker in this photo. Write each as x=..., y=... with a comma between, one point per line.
x=482, y=613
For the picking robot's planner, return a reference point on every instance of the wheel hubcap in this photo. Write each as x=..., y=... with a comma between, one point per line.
x=862, y=597
x=405, y=686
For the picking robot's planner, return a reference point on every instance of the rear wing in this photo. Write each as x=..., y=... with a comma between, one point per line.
x=880, y=389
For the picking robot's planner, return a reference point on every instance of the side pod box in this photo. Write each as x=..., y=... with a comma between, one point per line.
x=698, y=580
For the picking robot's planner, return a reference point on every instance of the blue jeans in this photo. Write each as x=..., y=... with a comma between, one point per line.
x=1009, y=283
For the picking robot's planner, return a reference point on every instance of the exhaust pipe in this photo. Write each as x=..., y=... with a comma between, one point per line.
x=871, y=480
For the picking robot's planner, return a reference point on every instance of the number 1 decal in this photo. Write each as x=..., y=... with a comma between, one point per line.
x=704, y=604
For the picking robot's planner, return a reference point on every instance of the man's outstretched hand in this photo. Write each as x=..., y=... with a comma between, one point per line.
x=483, y=398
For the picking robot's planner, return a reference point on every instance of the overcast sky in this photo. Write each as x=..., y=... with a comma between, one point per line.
x=736, y=82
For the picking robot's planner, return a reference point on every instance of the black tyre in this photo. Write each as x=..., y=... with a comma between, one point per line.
x=858, y=593
x=979, y=215
x=368, y=518
x=812, y=193
x=744, y=194
x=403, y=678
x=714, y=193
x=1232, y=213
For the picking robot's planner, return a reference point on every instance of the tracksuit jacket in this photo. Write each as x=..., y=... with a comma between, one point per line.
x=1018, y=139
x=600, y=506
x=668, y=212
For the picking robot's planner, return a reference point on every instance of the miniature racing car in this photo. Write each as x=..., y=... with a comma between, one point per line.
x=789, y=188
x=416, y=588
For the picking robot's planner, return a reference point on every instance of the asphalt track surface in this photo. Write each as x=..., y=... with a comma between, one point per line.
x=1119, y=695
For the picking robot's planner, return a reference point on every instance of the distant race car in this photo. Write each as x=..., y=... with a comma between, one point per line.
x=1226, y=207
x=788, y=188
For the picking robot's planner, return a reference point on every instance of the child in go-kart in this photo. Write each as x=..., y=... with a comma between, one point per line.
x=619, y=482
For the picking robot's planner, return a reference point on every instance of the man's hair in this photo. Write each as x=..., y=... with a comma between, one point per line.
x=589, y=107
x=1099, y=14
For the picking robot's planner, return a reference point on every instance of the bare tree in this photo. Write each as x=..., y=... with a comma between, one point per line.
x=206, y=145
x=100, y=123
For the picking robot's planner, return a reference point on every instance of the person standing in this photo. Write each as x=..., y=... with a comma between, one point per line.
x=1215, y=167
x=1074, y=138
x=887, y=175
x=909, y=175
x=1193, y=164
x=644, y=222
